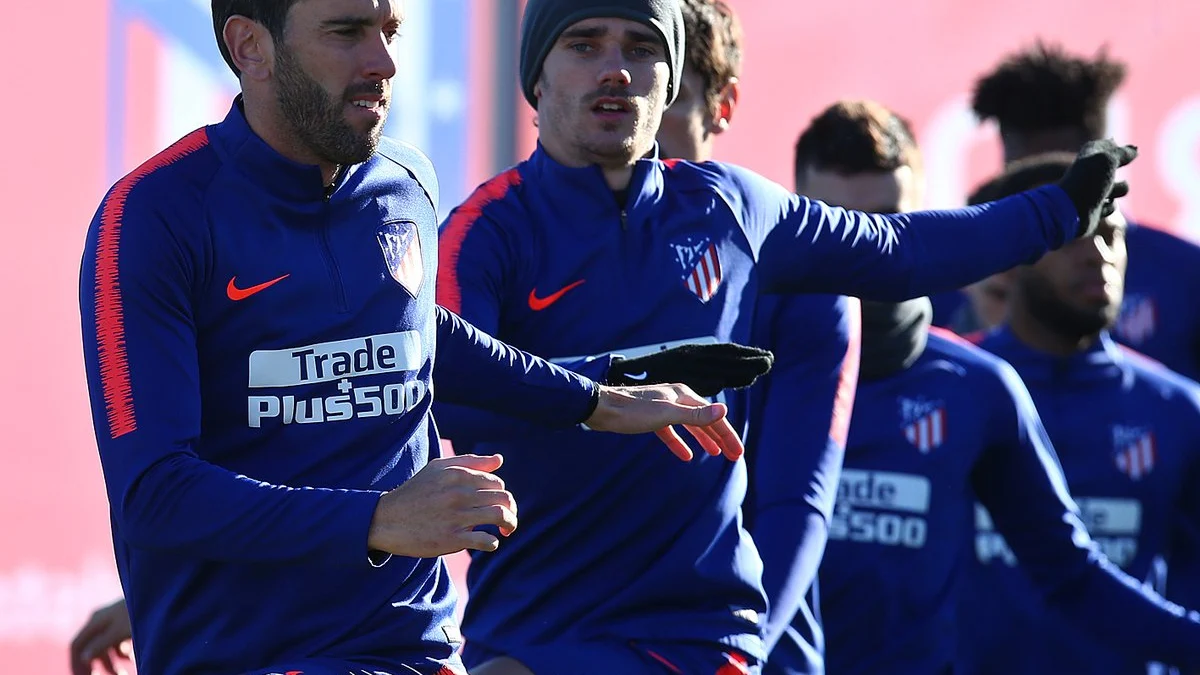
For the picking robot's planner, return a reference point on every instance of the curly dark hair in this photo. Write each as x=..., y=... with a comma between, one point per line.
x=714, y=45
x=854, y=137
x=1043, y=87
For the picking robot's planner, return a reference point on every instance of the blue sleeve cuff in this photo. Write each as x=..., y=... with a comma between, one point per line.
x=1062, y=213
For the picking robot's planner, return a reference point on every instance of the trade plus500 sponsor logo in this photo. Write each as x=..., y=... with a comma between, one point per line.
x=1114, y=523
x=341, y=361
x=881, y=507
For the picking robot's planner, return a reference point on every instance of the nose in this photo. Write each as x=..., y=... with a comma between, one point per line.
x=379, y=62
x=614, y=71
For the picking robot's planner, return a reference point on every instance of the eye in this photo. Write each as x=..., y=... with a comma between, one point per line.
x=643, y=52
x=581, y=47
x=347, y=32
x=391, y=35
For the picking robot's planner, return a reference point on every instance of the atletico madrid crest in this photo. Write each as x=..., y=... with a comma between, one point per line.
x=1135, y=451
x=924, y=423
x=700, y=262
x=401, y=246
x=1138, y=320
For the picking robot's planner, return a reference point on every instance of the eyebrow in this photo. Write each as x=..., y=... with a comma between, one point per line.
x=632, y=34
x=351, y=21
x=348, y=22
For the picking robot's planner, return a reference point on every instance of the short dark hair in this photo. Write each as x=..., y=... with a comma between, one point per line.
x=272, y=14
x=1043, y=87
x=714, y=45
x=1023, y=174
x=856, y=137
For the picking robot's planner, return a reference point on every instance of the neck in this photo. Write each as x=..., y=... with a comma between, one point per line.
x=266, y=122
x=1038, y=336
x=618, y=173
x=618, y=178
x=704, y=151
x=894, y=336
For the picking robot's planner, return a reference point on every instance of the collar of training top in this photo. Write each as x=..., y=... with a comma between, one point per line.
x=1101, y=361
x=583, y=190
x=259, y=163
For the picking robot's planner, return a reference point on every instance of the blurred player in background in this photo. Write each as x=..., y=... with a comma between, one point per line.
x=1127, y=435
x=1045, y=99
x=814, y=339
x=594, y=249
x=709, y=87
x=937, y=421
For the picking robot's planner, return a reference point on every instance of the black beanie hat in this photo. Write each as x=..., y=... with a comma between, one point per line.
x=545, y=20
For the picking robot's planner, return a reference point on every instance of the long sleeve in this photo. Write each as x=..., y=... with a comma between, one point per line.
x=138, y=277
x=797, y=442
x=807, y=246
x=465, y=425
x=482, y=372
x=1183, y=569
x=1042, y=526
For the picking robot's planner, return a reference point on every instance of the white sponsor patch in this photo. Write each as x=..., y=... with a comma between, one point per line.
x=884, y=490
x=1101, y=516
x=1114, y=524
x=327, y=361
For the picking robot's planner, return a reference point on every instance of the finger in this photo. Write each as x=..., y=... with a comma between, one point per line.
x=706, y=441
x=487, y=463
x=96, y=650
x=126, y=649
x=110, y=639
x=79, y=650
x=727, y=439
x=106, y=662
x=475, y=480
x=1127, y=154
x=482, y=498
x=496, y=514
x=674, y=443
x=1119, y=189
x=713, y=431
x=479, y=541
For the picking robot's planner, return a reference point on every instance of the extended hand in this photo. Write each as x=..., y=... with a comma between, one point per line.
x=706, y=369
x=437, y=510
x=1091, y=181
x=104, y=638
x=637, y=410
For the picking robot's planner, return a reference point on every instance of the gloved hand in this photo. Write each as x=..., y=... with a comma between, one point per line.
x=1091, y=182
x=707, y=369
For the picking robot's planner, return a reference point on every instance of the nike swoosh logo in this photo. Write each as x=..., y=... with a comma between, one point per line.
x=538, y=304
x=236, y=293
x=639, y=377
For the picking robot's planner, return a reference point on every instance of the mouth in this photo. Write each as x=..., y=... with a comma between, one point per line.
x=1097, y=288
x=372, y=105
x=612, y=108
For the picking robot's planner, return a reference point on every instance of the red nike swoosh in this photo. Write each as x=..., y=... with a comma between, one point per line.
x=236, y=293
x=538, y=304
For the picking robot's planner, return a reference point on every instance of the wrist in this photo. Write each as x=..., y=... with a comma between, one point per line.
x=603, y=409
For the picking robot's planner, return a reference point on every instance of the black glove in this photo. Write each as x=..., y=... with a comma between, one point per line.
x=1091, y=182
x=707, y=369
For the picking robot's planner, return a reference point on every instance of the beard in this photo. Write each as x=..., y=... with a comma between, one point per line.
x=1045, y=305
x=318, y=120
